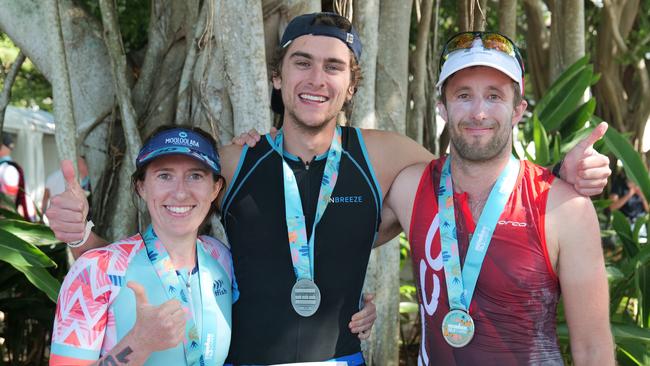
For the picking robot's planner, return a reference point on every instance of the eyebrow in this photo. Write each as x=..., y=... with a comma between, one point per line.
x=168, y=169
x=497, y=89
x=310, y=57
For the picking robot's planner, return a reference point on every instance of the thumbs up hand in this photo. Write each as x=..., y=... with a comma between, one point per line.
x=156, y=327
x=68, y=210
x=585, y=168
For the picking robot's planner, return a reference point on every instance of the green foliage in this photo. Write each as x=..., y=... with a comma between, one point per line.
x=19, y=248
x=559, y=118
x=31, y=89
x=133, y=18
x=32, y=266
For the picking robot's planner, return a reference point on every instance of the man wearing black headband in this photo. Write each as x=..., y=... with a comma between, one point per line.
x=300, y=268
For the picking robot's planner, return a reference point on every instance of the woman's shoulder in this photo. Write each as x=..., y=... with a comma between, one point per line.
x=114, y=256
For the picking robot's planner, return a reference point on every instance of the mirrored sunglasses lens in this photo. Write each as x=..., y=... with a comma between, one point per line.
x=498, y=42
x=461, y=41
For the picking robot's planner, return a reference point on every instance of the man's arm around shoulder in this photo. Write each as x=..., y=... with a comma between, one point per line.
x=573, y=242
x=390, y=153
x=398, y=206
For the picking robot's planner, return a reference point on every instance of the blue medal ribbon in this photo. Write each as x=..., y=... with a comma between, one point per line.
x=302, y=250
x=461, y=284
x=195, y=349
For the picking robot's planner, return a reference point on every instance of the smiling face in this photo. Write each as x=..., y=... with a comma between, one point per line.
x=178, y=191
x=480, y=114
x=315, y=81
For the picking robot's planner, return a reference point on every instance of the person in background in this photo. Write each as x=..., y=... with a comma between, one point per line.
x=12, y=181
x=628, y=198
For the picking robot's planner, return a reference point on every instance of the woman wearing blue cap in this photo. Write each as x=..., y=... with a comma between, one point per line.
x=183, y=317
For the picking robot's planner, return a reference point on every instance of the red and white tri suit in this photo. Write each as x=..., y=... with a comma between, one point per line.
x=514, y=304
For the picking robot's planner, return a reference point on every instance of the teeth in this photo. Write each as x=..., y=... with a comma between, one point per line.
x=179, y=209
x=314, y=98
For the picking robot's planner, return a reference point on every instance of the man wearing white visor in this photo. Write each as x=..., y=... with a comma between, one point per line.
x=495, y=239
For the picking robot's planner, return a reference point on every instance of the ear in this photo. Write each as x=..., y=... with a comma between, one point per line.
x=139, y=186
x=442, y=111
x=518, y=112
x=277, y=82
x=216, y=189
x=350, y=92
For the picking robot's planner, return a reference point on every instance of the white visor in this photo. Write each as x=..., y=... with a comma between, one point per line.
x=479, y=56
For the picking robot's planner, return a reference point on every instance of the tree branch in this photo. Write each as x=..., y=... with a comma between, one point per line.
x=63, y=106
x=415, y=121
x=123, y=224
x=203, y=35
x=158, y=42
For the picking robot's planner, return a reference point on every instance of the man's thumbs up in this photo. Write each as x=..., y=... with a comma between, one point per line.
x=68, y=210
x=585, y=168
x=71, y=181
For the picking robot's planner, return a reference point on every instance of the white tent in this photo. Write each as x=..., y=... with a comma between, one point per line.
x=35, y=147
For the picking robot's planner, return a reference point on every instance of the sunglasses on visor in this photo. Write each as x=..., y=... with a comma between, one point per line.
x=490, y=40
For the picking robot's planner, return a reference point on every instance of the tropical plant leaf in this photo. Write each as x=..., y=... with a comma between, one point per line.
x=579, y=118
x=35, y=234
x=614, y=274
x=643, y=295
x=18, y=252
x=571, y=71
x=634, y=167
x=642, y=258
x=8, y=214
x=557, y=153
x=565, y=101
x=635, y=353
x=565, y=78
x=542, y=155
x=624, y=231
x=42, y=279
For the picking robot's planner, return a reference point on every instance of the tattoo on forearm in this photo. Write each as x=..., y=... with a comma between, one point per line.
x=108, y=361
x=122, y=357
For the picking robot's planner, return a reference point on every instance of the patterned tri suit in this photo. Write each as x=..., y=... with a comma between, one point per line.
x=94, y=311
x=514, y=304
x=266, y=329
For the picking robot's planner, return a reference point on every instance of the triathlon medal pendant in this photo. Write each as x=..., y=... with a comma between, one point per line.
x=457, y=328
x=305, y=297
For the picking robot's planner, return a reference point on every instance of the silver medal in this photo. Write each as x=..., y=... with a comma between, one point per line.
x=305, y=297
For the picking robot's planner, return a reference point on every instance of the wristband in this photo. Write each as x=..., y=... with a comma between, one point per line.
x=87, y=231
x=557, y=167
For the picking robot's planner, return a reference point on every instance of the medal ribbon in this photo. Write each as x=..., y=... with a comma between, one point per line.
x=461, y=284
x=175, y=290
x=302, y=250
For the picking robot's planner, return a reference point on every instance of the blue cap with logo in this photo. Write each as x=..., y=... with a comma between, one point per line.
x=180, y=141
x=304, y=25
